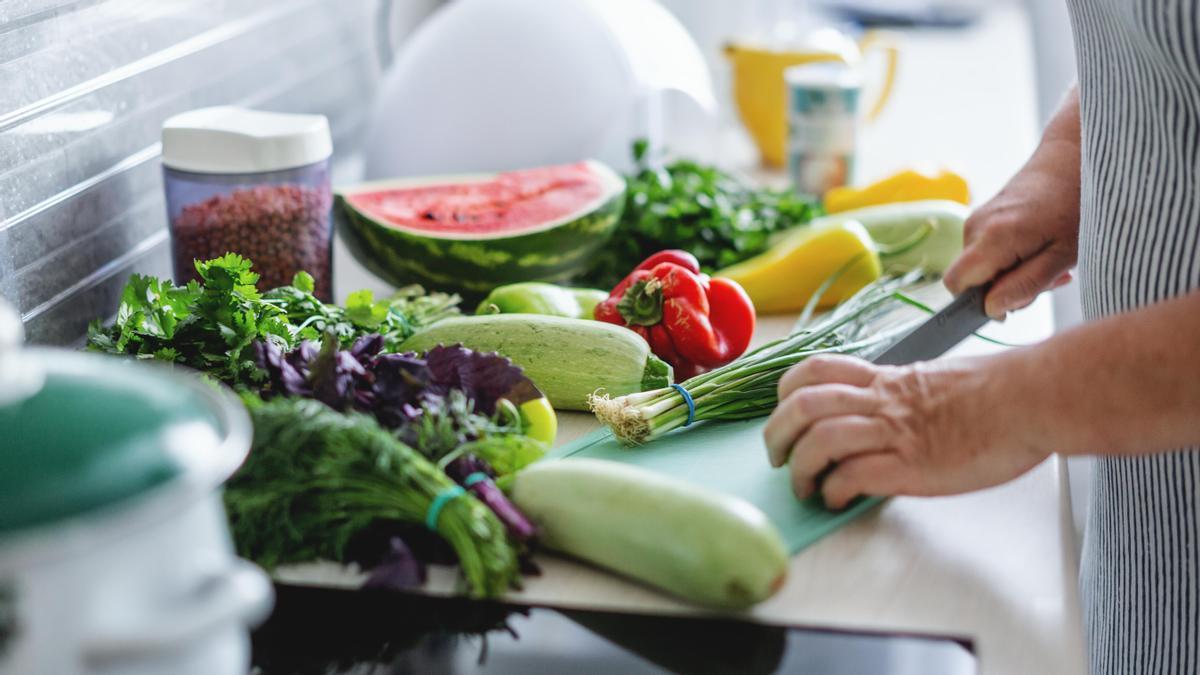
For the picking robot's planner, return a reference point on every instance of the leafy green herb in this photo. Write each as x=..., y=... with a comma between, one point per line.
x=316, y=478
x=363, y=311
x=396, y=317
x=712, y=214
x=210, y=325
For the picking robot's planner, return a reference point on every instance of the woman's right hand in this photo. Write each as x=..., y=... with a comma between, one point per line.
x=1026, y=239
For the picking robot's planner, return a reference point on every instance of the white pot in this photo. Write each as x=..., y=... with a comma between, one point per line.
x=147, y=584
x=494, y=85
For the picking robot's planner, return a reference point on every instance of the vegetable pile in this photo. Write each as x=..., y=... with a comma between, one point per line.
x=383, y=430
x=354, y=443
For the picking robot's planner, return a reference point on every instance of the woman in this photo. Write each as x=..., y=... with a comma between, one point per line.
x=1115, y=183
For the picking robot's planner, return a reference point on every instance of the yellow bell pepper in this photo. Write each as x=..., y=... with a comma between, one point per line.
x=787, y=275
x=907, y=186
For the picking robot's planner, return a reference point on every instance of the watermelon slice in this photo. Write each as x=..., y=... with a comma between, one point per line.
x=473, y=233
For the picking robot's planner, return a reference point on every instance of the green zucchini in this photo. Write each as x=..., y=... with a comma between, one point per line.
x=712, y=549
x=910, y=235
x=568, y=359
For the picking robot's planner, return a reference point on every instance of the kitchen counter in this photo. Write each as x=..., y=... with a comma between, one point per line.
x=997, y=566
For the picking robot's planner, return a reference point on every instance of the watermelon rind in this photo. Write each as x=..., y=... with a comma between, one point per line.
x=473, y=264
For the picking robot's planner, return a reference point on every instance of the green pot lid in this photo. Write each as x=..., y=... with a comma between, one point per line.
x=101, y=431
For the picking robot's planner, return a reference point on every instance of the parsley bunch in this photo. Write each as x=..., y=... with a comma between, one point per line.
x=710, y=213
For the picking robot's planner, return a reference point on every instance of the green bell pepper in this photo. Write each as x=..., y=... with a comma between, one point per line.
x=533, y=297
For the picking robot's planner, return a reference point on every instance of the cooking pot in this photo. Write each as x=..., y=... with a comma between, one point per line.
x=114, y=551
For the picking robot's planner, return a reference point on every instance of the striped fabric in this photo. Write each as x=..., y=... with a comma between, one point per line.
x=1139, y=76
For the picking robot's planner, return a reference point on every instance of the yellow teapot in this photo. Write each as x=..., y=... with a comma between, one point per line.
x=760, y=91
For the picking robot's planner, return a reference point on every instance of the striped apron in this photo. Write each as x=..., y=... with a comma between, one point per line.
x=1139, y=79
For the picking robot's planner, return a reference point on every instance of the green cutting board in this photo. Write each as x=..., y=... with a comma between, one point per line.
x=728, y=457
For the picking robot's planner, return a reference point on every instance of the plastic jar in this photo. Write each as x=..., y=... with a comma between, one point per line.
x=823, y=125
x=253, y=183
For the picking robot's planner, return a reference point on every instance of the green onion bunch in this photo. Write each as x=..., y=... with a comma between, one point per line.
x=865, y=324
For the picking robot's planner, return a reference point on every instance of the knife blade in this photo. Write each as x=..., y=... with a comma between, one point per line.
x=962, y=317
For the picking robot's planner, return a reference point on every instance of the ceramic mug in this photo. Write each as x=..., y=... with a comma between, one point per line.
x=760, y=91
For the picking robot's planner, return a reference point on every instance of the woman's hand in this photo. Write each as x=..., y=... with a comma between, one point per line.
x=930, y=429
x=1027, y=237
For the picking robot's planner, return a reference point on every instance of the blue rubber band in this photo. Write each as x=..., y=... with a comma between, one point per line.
x=687, y=398
x=439, y=502
x=477, y=477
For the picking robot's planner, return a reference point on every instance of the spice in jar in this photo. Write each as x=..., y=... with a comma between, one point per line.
x=281, y=228
x=252, y=183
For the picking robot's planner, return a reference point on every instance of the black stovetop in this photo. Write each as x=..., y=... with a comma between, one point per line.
x=330, y=632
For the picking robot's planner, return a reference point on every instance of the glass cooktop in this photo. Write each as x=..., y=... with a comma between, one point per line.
x=331, y=632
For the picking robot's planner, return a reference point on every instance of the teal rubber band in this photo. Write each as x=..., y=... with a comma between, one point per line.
x=439, y=502
x=687, y=398
x=477, y=477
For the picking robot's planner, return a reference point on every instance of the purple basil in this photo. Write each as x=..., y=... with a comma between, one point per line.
x=399, y=382
x=282, y=376
x=337, y=376
x=301, y=357
x=485, y=378
x=366, y=348
x=393, y=387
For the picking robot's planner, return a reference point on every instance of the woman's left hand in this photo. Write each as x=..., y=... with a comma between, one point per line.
x=934, y=428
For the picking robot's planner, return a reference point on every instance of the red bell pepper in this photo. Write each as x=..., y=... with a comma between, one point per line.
x=692, y=322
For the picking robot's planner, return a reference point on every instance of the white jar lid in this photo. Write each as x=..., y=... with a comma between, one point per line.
x=832, y=75
x=228, y=139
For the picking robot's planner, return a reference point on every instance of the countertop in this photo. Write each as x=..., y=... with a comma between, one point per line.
x=996, y=566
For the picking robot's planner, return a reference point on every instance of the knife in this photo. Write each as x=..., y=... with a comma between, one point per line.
x=943, y=330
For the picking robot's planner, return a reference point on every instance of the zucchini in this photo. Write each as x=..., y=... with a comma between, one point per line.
x=568, y=359
x=911, y=235
x=712, y=549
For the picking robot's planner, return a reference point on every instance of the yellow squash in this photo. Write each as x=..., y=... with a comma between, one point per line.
x=784, y=278
x=907, y=186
